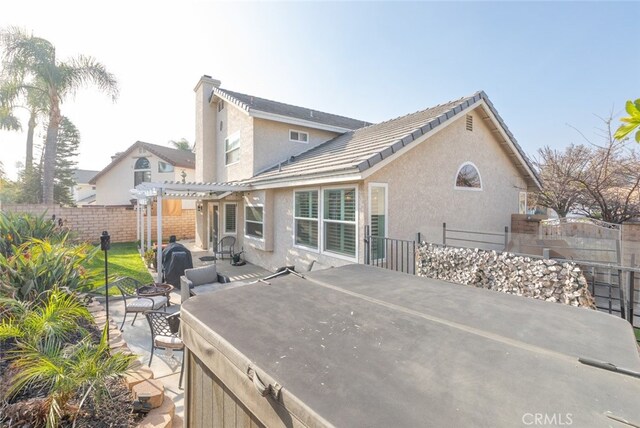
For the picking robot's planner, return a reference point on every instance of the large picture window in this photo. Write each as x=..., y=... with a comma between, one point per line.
x=339, y=221
x=230, y=218
x=141, y=171
x=232, y=149
x=306, y=218
x=254, y=221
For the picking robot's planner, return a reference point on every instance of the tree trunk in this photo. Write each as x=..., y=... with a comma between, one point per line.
x=51, y=147
x=28, y=163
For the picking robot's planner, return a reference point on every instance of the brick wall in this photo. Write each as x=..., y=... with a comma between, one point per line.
x=88, y=222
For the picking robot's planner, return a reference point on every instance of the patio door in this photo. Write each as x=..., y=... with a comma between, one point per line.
x=214, y=221
x=378, y=219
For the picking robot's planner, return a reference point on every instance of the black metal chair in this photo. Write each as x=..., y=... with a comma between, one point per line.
x=129, y=288
x=225, y=246
x=165, y=331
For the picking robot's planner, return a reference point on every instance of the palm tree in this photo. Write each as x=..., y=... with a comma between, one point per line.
x=33, y=98
x=32, y=62
x=182, y=144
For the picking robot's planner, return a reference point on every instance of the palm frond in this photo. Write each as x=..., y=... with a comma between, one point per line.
x=84, y=70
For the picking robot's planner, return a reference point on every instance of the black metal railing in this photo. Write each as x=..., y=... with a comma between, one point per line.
x=394, y=254
x=485, y=240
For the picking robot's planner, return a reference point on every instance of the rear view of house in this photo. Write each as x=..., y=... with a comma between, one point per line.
x=298, y=186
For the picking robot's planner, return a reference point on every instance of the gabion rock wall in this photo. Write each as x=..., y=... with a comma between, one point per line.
x=540, y=279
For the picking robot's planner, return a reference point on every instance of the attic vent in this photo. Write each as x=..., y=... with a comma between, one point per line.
x=469, y=123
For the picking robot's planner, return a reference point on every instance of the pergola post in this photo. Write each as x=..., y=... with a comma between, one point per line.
x=148, y=224
x=138, y=226
x=159, y=240
x=141, y=226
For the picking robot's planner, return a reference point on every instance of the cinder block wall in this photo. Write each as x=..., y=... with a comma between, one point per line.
x=88, y=222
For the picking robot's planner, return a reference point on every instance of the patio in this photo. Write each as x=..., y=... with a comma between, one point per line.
x=166, y=366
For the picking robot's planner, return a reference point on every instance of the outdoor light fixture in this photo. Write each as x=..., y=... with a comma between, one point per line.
x=105, y=245
x=199, y=207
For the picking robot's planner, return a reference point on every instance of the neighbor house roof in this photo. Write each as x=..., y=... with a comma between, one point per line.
x=175, y=157
x=82, y=176
x=275, y=110
x=356, y=151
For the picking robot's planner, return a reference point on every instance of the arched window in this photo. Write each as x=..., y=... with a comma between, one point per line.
x=141, y=171
x=468, y=177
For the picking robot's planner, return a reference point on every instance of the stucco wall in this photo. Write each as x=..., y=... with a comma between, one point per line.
x=82, y=191
x=234, y=120
x=272, y=143
x=421, y=184
x=283, y=250
x=113, y=188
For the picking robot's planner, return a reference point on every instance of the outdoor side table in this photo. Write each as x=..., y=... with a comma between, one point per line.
x=156, y=289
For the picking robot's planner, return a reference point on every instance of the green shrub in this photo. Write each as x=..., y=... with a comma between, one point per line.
x=38, y=265
x=15, y=229
x=45, y=359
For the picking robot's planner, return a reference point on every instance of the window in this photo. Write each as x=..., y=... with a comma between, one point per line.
x=306, y=218
x=221, y=125
x=220, y=105
x=253, y=221
x=339, y=221
x=298, y=136
x=468, y=177
x=229, y=218
x=232, y=149
x=164, y=167
x=141, y=171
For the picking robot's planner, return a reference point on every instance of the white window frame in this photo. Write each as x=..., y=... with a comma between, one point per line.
x=320, y=249
x=293, y=233
x=472, y=189
x=385, y=186
x=299, y=133
x=355, y=223
x=143, y=170
x=224, y=218
x=226, y=150
x=168, y=165
x=251, y=221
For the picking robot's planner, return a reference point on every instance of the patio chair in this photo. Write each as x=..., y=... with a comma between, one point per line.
x=129, y=288
x=225, y=246
x=164, y=334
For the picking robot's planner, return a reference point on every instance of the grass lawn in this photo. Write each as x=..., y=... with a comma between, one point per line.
x=124, y=260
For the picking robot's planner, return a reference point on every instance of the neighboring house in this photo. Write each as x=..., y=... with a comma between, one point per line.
x=84, y=193
x=142, y=162
x=310, y=183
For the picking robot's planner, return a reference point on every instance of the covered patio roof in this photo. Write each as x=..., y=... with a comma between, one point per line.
x=144, y=192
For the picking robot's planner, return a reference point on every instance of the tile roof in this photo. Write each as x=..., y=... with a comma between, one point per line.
x=252, y=103
x=360, y=149
x=177, y=158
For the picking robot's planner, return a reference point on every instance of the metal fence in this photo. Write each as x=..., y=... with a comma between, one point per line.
x=485, y=240
x=615, y=288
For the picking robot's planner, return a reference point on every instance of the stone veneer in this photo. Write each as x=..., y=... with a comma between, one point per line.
x=523, y=276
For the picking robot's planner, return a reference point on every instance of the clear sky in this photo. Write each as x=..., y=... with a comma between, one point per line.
x=545, y=65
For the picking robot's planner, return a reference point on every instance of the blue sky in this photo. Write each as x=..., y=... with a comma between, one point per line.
x=544, y=65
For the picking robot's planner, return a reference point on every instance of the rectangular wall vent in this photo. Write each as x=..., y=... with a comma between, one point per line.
x=469, y=123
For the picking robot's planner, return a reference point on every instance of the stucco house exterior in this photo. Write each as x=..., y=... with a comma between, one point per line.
x=295, y=185
x=84, y=193
x=142, y=162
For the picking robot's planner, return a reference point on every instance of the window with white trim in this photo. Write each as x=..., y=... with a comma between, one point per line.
x=141, y=171
x=230, y=218
x=468, y=177
x=254, y=221
x=298, y=136
x=306, y=218
x=232, y=149
x=164, y=167
x=339, y=221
